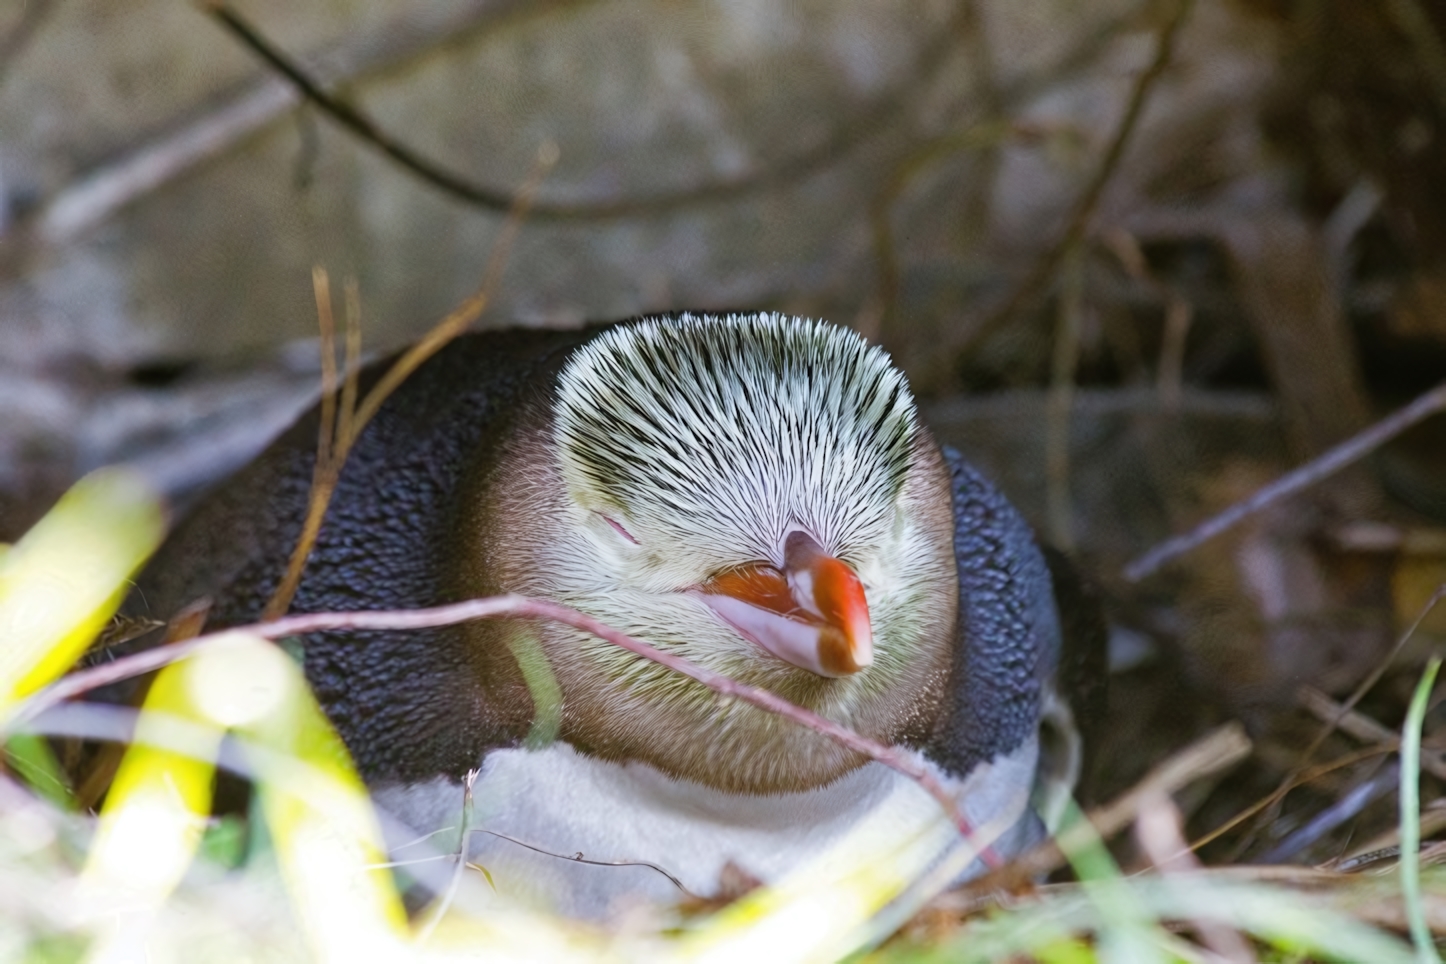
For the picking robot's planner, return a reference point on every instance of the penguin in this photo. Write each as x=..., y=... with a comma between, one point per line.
x=755, y=493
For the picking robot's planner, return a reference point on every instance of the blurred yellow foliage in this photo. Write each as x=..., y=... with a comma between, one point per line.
x=63, y=580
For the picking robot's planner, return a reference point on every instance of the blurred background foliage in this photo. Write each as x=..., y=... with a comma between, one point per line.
x=1138, y=257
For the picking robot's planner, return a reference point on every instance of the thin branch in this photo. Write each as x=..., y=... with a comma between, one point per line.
x=984, y=135
x=1299, y=779
x=94, y=198
x=1170, y=378
x=506, y=606
x=1342, y=810
x=1160, y=831
x=1213, y=753
x=1369, y=683
x=1059, y=403
x=333, y=448
x=1327, y=464
x=330, y=455
x=578, y=858
x=91, y=200
x=455, y=881
x=1362, y=727
x=1387, y=844
x=1036, y=281
x=867, y=125
x=1270, y=804
x=350, y=118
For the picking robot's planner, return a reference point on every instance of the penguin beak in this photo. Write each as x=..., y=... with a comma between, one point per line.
x=813, y=614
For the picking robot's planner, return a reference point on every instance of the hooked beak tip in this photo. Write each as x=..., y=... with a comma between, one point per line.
x=863, y=652
x=842, y=653
x=835, y=592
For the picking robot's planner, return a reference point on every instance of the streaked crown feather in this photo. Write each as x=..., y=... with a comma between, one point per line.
x=728, y=431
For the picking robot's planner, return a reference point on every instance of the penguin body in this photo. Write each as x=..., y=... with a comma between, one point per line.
x=676, y=478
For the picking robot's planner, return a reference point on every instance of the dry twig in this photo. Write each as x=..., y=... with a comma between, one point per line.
x=579, y=858
x=1300, y=775
x=981, y=136
x=1216, y=751
x=1362, y=727
x=455, y=881
x=523, y=607
x=1293, y=779
x=340, y=430
x=1059, y=404
x=1384, y=779
x=92, y=199
x=1298, y=779
x=986, y=134
x=868, y=124
x=1327, y=464
x=1387, y=844
x=1160, y=832
x=1035, y=281
x=352, y=119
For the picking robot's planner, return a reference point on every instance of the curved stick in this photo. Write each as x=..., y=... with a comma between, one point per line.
x=524, y=607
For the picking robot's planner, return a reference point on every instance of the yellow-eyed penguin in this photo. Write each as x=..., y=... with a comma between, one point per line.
x=754, y=493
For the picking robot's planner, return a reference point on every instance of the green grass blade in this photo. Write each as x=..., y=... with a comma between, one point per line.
x=1127, y=934
x=1411, y=815
x=1291, y=922
x=29, y=756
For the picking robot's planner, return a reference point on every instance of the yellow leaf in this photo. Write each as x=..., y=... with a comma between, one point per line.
x=65, y=577
x=320, y=817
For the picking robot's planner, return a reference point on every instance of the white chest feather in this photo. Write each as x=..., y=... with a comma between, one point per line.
x=569, y=805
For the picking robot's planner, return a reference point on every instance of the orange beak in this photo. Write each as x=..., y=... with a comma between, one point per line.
x=813, y=614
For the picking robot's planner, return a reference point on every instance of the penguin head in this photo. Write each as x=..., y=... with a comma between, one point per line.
x=757, y=495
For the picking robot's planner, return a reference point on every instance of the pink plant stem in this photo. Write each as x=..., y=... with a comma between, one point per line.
x=517, y=606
